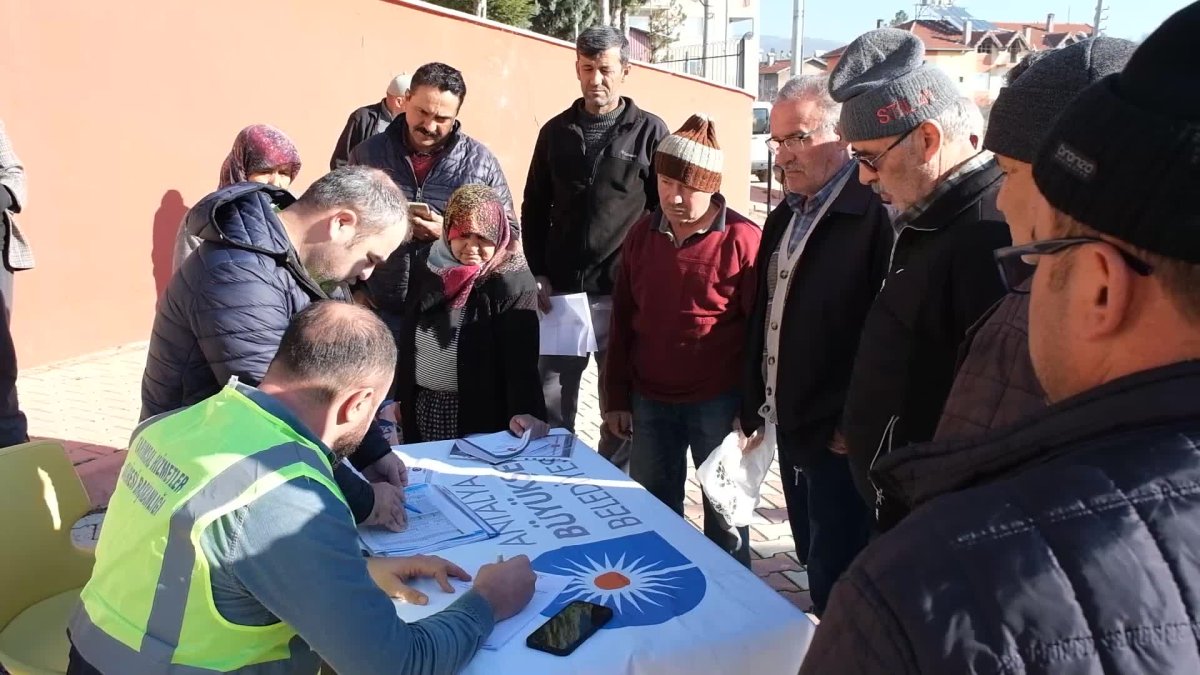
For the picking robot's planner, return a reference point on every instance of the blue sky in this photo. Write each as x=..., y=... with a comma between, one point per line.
x=845, y=19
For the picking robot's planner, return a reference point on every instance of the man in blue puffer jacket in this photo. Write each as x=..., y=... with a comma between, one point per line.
x=265, y=256
x=426, y=152
x=1067, y=543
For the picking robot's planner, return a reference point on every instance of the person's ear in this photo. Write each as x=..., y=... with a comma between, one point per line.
x=1107, y=290
x=356, y=405
x=625, y=71
x=342, y=225
x=929, y=135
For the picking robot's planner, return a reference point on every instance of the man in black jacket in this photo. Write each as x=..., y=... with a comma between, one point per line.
x=918, y=145
x=823, y=258
x=370, y=120
x=1067, y=543
x=264, y=257
x=591, y=178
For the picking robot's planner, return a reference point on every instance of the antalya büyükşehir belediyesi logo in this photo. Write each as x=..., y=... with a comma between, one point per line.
x=641, y=577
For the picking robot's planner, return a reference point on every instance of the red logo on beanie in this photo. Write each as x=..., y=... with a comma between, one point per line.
x=903, y=107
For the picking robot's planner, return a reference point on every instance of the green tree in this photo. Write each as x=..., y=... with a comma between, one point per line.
x=901, y=17
x=511, y=12
x=563, y=19
x=664, y=28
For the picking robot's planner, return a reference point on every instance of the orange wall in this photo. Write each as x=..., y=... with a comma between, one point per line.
x=123, y=111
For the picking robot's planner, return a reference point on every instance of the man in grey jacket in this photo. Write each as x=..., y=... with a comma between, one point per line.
x=17, y=256
x=995, y=385
x=286, y=577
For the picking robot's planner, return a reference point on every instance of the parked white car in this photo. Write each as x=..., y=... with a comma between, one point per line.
x=760, y=131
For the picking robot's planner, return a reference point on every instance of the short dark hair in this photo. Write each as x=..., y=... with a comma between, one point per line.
x=442, y=77
x=598, y=39
x=331, y=346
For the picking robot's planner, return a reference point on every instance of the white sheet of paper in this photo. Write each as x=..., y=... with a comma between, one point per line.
x=546, y=589
x=567, y=329
x=431, y=518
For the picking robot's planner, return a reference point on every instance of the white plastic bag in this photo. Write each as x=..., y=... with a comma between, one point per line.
x=731, y=480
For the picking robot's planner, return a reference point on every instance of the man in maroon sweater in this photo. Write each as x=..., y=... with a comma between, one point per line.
x=683, y=294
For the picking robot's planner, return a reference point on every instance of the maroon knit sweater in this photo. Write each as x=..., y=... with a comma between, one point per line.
x=679, y=314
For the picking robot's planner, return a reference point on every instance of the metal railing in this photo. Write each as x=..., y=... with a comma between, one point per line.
x=721, y=62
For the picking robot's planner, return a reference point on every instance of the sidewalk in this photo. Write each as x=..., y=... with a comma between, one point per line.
x=92, y=403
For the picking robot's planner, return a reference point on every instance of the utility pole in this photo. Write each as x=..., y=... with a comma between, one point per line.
x=704, y=43
x=1098, y=20
x=605, y=12
x=481, y=8
x=797, y=36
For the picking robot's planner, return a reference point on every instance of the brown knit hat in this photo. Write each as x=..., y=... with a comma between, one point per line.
x=691, y=155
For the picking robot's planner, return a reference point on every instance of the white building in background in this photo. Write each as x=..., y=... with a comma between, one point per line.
x=729, y=55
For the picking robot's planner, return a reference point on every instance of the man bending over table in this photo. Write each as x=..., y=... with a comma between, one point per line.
x=229, y=547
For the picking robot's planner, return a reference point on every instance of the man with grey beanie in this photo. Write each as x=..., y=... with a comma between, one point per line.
x=995, y=385
x=917, y=144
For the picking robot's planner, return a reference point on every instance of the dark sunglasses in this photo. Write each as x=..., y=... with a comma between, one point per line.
x=1018, y=263
x=872, y=163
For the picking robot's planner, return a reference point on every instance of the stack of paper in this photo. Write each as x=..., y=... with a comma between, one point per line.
x=501, y=447
x=437, y=520
x=567, y=330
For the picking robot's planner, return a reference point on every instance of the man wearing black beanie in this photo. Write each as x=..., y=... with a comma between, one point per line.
x=995, y=385
x=1067, y=543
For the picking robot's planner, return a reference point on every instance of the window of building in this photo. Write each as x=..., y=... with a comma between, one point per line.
x=1015, y=51
x=986, y=47
x=762, y=120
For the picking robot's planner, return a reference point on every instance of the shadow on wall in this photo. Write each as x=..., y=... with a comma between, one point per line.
x=162, y=247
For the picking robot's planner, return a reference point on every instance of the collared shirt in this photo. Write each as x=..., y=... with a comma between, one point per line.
x=717, y=225
x=956, y=176
x=806, y=208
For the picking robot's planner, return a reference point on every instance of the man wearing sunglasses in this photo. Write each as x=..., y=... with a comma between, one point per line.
x=1067, y=543
x=826, y=246
x=917, y=144
x=995, y=385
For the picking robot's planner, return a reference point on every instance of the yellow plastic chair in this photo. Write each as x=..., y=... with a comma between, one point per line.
x=41, y=571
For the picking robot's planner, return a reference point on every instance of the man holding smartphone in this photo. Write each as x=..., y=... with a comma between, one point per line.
x=591, y=177
x=426, y=152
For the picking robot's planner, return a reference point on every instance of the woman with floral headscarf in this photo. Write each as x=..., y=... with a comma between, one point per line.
x=261, y=154
x=469, y=348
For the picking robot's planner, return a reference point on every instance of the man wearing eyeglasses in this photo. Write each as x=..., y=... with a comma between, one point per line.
x=995, y=385
x=1067, y=543
x=917, y=145
x=824, y=254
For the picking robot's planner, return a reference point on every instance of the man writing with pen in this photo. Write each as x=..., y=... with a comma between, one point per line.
x=229, y=547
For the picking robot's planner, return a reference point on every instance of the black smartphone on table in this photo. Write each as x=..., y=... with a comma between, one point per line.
x=569, y=628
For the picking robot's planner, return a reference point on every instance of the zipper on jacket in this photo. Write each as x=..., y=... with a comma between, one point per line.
x=888, y=437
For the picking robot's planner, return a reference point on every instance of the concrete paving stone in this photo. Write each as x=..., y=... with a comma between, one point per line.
x=798, y=577
x=776, y=563
x=773, y=515
x=778, y=582
x=801, y=599
x=768, y=531
x=772, y=547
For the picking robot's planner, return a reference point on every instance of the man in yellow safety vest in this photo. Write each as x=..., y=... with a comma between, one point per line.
x=228, y=546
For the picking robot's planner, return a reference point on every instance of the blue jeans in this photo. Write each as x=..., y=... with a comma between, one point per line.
x=662, y=433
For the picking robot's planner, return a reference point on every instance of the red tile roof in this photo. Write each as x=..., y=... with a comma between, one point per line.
x=779, y=66
x=941, y=36
x=1043, y=40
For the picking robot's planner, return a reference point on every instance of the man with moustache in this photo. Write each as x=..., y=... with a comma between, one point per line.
x=823, y=258
x=429, y=156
